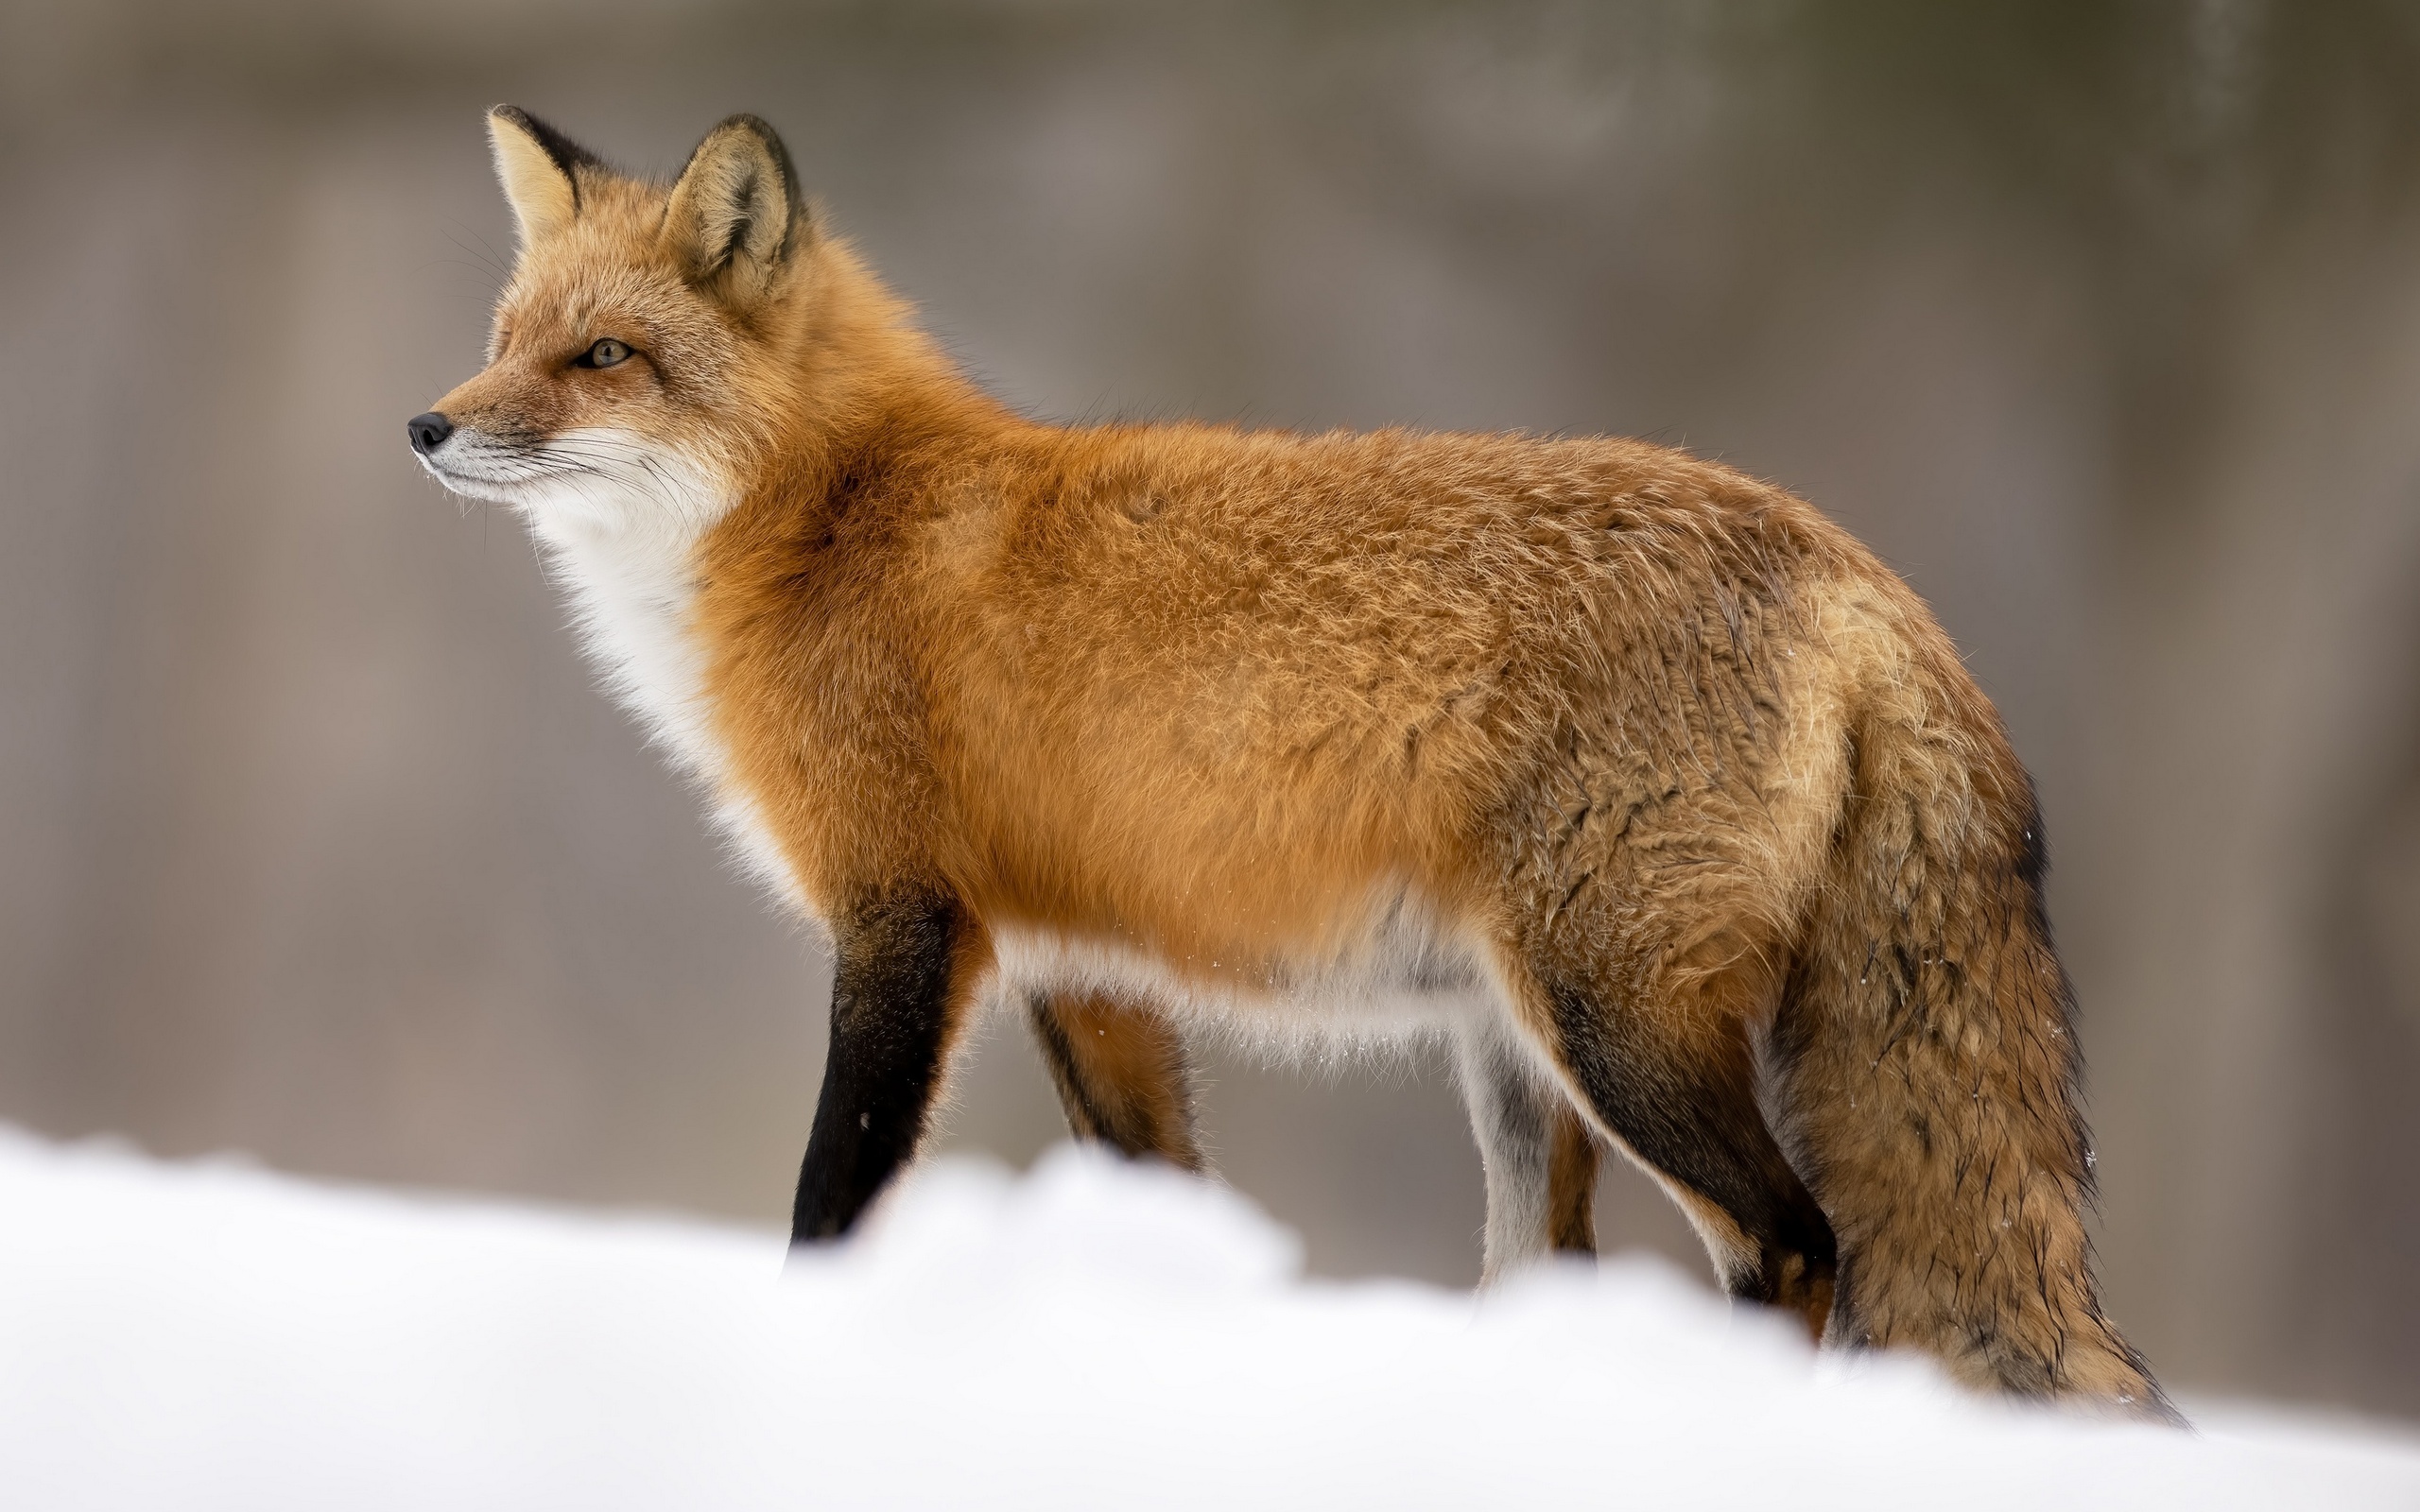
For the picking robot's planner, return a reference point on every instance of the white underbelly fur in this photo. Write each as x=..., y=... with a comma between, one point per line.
x=1401, y=977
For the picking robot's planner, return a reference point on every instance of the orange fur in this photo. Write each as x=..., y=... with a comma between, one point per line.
x=1122, y=1074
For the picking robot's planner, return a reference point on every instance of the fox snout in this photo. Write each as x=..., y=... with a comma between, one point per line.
x=428, y=431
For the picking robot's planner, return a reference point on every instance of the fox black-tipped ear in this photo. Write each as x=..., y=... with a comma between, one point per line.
x=735, y=211
x=541, y=169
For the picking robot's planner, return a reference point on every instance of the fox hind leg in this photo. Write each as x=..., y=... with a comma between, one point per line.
x=1671, y=1076
x=1122, y=1074
x=1512, y=1110
x=1539, y=1156
x=1571, y=1185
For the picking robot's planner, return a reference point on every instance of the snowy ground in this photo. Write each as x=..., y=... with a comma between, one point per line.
x=213, y=1336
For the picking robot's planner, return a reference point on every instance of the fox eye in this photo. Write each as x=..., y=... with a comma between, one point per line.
x=605, y=354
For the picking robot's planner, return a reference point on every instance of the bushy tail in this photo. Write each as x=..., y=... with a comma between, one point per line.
x=1927, y=1066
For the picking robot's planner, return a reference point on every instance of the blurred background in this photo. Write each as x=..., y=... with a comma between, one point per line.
x=2100, y=321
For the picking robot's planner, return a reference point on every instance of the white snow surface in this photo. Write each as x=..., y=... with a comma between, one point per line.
x=212, y=1335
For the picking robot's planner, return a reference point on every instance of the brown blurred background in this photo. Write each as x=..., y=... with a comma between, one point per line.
x=2101, y=321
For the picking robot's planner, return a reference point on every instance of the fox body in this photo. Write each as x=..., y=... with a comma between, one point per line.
x=1636, y=779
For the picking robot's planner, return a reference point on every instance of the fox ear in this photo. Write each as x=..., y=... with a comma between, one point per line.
x=734, y=211
x=539, y=169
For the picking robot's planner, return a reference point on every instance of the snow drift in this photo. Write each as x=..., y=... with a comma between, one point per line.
x=1090, y=1335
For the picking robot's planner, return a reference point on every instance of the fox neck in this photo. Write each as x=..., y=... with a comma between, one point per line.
x=860, y=383
x=866, y=386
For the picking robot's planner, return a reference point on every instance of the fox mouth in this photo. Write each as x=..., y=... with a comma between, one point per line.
x=485, y=481
x=606, y=478
x=478, y=468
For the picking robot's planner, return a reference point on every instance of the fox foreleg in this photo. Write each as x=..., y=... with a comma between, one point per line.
x=1121, y=1073
x=899, y=985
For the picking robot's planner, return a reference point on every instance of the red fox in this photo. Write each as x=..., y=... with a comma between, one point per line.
x=1634, y=778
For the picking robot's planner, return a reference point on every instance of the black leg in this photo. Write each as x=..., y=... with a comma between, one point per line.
x=1685, y=1104
x=891, y=1002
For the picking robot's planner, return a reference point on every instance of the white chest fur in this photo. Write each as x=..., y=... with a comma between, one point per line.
x=634, y=603
x=621, y=544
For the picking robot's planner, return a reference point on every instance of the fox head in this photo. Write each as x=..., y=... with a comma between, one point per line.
x=649, y=341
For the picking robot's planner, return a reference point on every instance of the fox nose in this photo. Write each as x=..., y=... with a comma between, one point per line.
x=428, y=432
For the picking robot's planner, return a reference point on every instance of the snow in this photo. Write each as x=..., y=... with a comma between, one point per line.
x=211, y=1336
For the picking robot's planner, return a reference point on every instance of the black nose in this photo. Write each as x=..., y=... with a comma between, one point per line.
x=428, y=432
